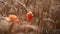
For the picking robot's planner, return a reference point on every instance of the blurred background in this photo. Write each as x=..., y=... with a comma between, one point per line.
x=46, y=19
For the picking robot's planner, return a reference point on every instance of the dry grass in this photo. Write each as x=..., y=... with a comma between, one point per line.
x=46, y=15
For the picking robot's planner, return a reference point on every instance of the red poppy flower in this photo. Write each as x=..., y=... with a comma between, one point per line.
x=13, y=18
x=29, y=16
